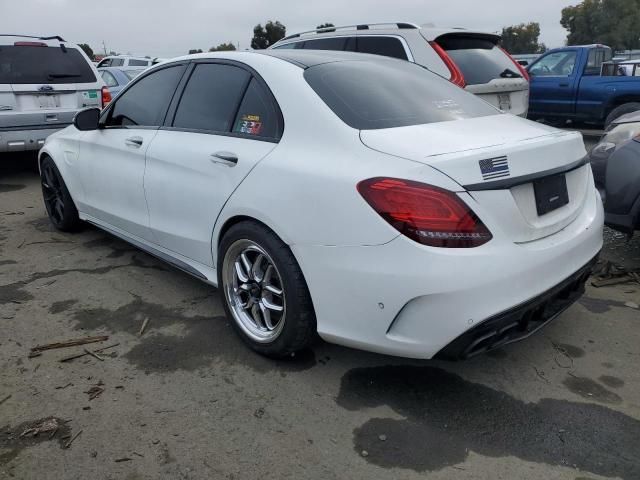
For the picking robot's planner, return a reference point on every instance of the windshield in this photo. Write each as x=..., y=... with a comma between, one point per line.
x=384, y=93
x=35, y=64
x=479, y=59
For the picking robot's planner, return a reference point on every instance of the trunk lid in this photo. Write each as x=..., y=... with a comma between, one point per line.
x=458, y=148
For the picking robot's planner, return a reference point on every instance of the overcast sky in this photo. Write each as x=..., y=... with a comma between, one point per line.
x=166, y=28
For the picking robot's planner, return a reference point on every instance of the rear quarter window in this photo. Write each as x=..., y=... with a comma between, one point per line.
x=369, y=95
x=386, y=46
x=35, y=64
x=480, y=60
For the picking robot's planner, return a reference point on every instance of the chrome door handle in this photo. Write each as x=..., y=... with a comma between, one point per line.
x=225, y=158
x=134, y=141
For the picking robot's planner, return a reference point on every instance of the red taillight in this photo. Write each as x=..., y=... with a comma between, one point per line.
x=427, y=214
x=456, y=74
x=521, y=69
x=106, y=96
x=29, y=44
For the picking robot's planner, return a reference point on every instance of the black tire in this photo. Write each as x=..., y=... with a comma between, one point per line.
x=62, y=212
x=621, y=110
x=299, y=327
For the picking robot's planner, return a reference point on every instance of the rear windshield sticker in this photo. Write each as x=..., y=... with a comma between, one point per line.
x=249, y=124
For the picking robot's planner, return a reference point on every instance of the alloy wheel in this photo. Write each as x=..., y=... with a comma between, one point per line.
x=53, y=193
x=254, y=291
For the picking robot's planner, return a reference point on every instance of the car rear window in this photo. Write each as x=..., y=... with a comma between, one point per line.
x=35, y=64
x=479, y=59
x=372, y=94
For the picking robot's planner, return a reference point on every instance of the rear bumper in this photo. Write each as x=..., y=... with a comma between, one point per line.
x=521, y=321
x=26, y=138
x=405, y=299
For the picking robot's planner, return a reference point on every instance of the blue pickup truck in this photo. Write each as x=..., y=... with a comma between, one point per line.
x=570, y=84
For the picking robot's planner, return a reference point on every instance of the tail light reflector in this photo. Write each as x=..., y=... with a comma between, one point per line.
x=456, y=74
x=521, y=69
x=106, y=96
x=428, y=215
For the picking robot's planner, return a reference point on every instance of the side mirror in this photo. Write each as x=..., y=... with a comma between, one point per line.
x=87, y=119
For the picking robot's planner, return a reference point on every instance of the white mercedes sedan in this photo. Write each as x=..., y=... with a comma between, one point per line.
x=359, y=198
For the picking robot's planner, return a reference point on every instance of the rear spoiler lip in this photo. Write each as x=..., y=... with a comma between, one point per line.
x=508, y=183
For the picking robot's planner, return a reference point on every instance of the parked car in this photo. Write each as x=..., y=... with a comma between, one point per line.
x=472, y=60
x=566, y=84
x=125, y=61
x=115, y=78
x=320, y=196
x=616, y=169
x=44, y=81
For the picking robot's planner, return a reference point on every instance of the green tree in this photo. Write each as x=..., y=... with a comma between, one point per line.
x=522, y=38
x=223, y=47
x=612, y=22
x=326, y=25
x=87, y=49
x=195, y=50
x=264, y=37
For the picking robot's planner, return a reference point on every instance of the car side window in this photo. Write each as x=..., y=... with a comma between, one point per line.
x=211, y=97
x=109, y=79
x=378, y=45
x=145, y=102
x=138, y=63
x=332, y=43
x=104, y=63
x=290, y=46
x=117, y=62
x=257, y=115
x=558, y=64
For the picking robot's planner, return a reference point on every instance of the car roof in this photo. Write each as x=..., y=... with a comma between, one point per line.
x=301, y=58
x=310, y=58
x=135, y=57
x=428, y=31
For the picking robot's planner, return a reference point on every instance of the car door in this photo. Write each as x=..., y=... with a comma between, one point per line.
x=113, y=157
x=554, y=82
x=224, y=123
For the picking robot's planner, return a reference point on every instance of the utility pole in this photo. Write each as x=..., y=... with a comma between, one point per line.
x=105, y=48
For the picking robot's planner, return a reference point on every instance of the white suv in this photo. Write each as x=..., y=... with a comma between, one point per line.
x=125, y=61
x=472, y=60
x=44, y=81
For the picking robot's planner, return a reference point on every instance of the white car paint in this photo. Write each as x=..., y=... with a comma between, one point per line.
x=372, y=287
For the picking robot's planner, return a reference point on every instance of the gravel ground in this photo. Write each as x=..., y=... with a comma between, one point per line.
x=187, y=400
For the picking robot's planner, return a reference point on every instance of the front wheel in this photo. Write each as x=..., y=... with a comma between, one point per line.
x=264, y=291
x=57, y=200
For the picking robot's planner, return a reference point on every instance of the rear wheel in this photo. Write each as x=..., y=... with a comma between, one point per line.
x=264, y=291
x=621, y=110
x=57, y=200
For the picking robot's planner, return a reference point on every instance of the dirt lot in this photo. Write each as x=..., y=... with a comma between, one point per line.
x=187, y=400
